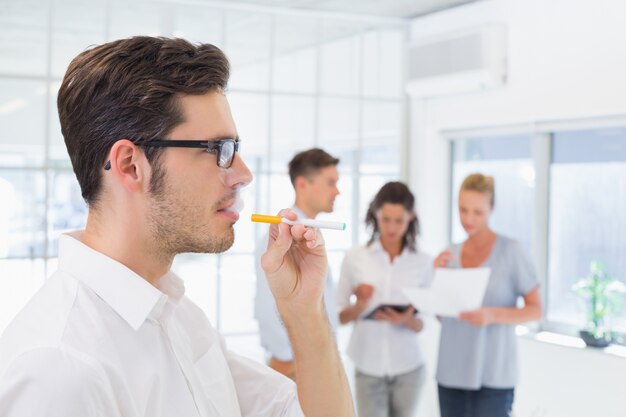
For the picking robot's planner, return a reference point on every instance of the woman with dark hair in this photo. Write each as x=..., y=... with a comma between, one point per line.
x=384, y=348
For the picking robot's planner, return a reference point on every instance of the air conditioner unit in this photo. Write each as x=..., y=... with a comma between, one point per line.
x=458, y=63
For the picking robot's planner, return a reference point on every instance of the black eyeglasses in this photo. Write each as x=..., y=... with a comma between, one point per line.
x=224, y=148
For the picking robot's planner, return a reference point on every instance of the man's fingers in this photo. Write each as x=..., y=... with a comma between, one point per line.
x=282, y=237
x=317, y=239
x=302, y=234
x=288, y=213
x=278, y=244
x=278, y=229
x=298, y=231
x=311, y=236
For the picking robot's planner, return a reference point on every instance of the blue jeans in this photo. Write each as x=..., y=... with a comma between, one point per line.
x=485, y=402
x=390, y=396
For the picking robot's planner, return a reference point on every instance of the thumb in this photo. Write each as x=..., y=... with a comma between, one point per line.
x=278, y=244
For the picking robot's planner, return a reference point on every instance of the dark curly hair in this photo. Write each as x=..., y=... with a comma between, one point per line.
x=394, y=193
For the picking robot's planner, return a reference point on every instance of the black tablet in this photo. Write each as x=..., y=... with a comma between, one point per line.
x=400, y=308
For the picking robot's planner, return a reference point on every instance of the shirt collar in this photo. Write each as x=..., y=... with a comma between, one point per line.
x=127, y=293
x=376, y=246
x=299, y=212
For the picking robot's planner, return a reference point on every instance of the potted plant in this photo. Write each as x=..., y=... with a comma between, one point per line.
x=603, y=296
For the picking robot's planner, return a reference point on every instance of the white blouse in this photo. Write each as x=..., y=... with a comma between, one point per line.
x=379, y=348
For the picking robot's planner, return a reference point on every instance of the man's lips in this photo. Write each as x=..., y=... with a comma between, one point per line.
x=227, y=205
x=230, y=214
x=231, y=208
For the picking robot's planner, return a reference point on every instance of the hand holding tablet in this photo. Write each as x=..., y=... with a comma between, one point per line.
x=399, y=308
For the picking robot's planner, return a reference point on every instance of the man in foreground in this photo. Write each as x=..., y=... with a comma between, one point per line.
x=154, y=147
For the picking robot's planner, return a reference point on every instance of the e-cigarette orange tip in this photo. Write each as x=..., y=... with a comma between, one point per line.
x=264, y=218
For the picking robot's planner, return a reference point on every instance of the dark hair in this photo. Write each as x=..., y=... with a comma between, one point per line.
x=129, y=89
x=308, y=163
x=394, y=193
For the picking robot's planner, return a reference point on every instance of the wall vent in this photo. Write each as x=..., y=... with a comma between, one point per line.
x=464, y=62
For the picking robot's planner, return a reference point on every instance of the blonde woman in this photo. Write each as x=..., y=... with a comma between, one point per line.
x=477, y=367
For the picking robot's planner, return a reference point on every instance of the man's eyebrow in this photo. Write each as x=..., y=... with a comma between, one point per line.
x=221, y=137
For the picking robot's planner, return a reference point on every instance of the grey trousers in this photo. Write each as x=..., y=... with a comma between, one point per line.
x=389, y=396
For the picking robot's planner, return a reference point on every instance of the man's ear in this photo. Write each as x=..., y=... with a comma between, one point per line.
x=300, y=183
x=128, y=165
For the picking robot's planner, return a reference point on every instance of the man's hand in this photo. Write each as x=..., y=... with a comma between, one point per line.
x=295, y=266
x=484, y=316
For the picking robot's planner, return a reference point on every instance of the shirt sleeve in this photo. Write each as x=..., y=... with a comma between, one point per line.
x=272, y=332
x=525, y=275
x=344, y=286
x=261, y=391
x=50, y=382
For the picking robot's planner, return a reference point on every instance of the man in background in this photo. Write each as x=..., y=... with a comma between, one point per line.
x=313, y=174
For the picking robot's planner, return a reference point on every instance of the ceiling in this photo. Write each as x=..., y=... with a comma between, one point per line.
x=378, y=8
x=24, y=25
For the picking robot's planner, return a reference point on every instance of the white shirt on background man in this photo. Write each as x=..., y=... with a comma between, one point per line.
x=272, y=332
x=98, y=340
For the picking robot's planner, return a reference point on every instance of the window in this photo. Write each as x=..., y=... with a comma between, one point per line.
x=509, y=160
x=587, y=216
x=583, y=202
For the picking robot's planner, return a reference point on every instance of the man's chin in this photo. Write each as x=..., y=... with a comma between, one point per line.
x=213, y=245
x=222, y=245
x=227, y=245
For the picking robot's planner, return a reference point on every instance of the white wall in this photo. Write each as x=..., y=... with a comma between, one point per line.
x=566, y=61
x=565, y=381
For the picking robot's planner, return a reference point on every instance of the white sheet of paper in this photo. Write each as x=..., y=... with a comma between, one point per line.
x=452, y=291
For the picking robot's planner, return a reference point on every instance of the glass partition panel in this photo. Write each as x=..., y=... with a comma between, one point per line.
x=587, y=221
x=509, y=160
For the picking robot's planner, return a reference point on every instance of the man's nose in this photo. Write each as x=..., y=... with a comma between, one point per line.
x=240, y=174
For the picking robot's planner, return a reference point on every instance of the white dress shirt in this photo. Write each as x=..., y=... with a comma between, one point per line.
x=98, y=340
x=379, y=348
x=271, y=329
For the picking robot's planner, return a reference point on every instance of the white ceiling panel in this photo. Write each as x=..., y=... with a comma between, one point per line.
x=378, y=8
